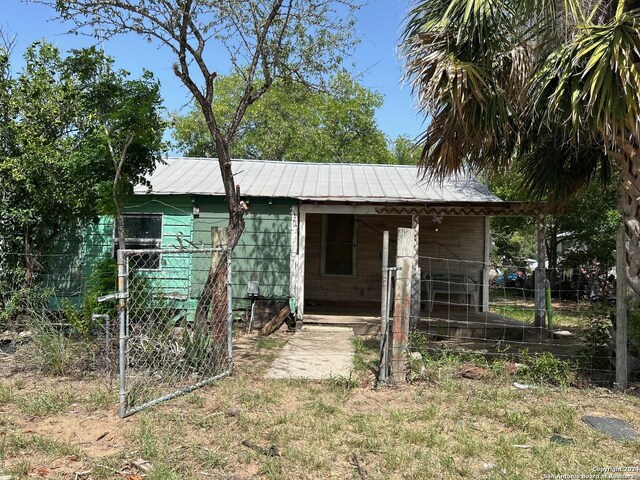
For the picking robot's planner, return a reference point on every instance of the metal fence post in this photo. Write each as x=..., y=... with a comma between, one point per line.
x=229, y=313
x=123, y=276
x=383, y=374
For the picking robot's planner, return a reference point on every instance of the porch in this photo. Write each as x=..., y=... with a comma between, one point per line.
x=441, y=323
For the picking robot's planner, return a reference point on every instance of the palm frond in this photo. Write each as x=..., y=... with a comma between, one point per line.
x=592, y=83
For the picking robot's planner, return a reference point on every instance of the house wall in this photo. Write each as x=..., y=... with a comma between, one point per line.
x=458, y=246
x=263, y=253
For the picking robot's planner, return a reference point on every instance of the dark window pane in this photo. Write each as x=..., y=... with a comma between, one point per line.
x=340, y=228
x=143, y=226
x=143, y=232
x=339, y=259
x=339, y=239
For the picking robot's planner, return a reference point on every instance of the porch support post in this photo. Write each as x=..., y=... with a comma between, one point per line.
x=487, y=264
x=402, y=309
x=621, y=313
x=540, y=305
x=302, y=236
x=415, y=280
x=293, y=257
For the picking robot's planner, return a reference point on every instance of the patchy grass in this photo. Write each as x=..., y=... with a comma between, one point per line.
x=443, y=426
x=46, y=403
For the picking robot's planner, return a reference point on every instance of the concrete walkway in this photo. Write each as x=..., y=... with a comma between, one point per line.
x=315, y=352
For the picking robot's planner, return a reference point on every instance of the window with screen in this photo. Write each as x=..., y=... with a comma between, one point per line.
x=339, y=244
x=143, y=231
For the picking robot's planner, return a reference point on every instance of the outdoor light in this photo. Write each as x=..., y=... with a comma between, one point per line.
x=196, y=211
x=437, y=220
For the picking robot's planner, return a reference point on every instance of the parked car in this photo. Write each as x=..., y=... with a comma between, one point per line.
x=513, y=279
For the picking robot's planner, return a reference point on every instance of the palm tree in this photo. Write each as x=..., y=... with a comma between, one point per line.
x=551, y=84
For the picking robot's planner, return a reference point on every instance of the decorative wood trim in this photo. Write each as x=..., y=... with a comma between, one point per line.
x=514, y=209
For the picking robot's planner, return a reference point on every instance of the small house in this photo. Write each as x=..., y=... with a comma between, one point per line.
x=313, y=231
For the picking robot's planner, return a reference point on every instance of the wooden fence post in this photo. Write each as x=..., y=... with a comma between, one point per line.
x=415, y=280
x=402, y=310
x=621, y=312
x=540, y=290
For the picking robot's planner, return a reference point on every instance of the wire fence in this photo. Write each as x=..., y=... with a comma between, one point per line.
x=165, y=329
x=492, y=310
x=176, y=323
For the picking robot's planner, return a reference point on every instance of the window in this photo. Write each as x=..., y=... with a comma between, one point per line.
x=339, y=244
x=142, y=231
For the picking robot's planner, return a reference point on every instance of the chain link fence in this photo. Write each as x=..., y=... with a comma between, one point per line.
x=174, y=323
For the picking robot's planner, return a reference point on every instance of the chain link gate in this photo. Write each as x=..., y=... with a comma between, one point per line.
x=175, y=323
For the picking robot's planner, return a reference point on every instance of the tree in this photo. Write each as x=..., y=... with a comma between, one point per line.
x=295, y=123
x=65, y=120
x=126, y=131
x=555, y=84
x=46, y=187
x=298, y=40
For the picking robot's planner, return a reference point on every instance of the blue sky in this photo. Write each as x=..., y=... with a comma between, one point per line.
x=375, y=60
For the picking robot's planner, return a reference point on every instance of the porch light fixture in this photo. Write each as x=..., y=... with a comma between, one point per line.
x=437, y=220
x=196, y=211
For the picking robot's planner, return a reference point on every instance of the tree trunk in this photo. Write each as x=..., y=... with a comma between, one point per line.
x=120, y=233
x=28, y=257
x=552, y=252
x=629, y=163
x=214, y=291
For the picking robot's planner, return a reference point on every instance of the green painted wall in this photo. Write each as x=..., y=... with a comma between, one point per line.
x=263, y=253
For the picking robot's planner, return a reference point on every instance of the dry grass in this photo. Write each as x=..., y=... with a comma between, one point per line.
x=449, y=427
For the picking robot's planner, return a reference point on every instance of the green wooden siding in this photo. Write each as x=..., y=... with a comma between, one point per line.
x=263, y=253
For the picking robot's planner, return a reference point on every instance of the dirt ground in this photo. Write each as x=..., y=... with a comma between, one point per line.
x=247, y=427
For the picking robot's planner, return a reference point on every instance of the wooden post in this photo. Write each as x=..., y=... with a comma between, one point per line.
x=302, y=242
x=383, y=373
x=293, y=256
x=540, y=305
x=402, y=310
x=621, y=312
x=415, y=281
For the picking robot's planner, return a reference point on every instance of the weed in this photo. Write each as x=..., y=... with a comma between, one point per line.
x=6, y=393
x=19, y=383
x=545, y=368
x=99, y=399
x=52, y=350
x=147, y=442
x=269, y=343
x=322, y=409
x=195, y=400
x=40, y=443
x=341, y=383
x=160, y=472
x=596, y=352
x=21, y=468
x=47, y=403
x=210, y=458
x=254, y=400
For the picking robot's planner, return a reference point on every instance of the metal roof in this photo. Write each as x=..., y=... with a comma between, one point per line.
x=315, y=182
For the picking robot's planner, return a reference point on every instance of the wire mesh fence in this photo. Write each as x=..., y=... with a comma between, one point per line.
x=492, y=309
x=175, y=323
x=164, y=329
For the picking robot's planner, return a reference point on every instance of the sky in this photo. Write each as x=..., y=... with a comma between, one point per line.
x=375, y=61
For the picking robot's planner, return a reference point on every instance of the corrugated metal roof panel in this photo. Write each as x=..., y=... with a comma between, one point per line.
x=314, y=181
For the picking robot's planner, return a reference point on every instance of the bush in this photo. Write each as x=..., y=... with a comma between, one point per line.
x=545, y=368
x=101, y=281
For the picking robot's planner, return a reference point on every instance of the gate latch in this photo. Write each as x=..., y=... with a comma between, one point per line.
x=113, y=296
